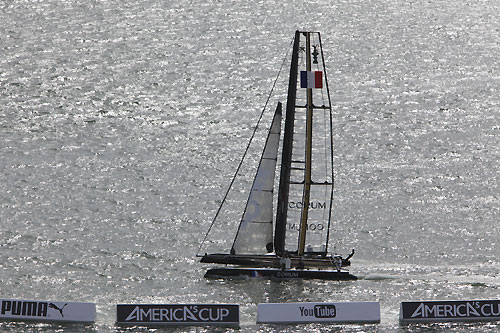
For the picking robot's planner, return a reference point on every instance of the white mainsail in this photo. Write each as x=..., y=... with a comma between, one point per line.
x=255, y=233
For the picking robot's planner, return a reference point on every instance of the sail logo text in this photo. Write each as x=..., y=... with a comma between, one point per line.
x=286, y=274
x=24, y=308
x=309, y=226
x=462, y=309
x=319, y=311
x=312, y=205
x=178, y=314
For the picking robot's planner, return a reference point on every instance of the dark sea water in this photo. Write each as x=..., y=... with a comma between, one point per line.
x=122, y=123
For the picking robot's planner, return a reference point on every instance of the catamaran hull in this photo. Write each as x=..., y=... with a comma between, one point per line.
x=269, y=261
x=276, y=274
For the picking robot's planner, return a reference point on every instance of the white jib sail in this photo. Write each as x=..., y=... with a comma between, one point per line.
x=255, y=234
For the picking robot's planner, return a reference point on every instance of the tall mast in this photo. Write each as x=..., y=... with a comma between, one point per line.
x=308, y=156
x=286, y=158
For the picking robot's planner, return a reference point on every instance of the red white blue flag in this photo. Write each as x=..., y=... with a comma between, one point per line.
x=309, y=79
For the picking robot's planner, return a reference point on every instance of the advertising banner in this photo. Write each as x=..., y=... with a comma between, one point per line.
x=446, y=311
x=47, y=311
x=338, y=312
x=178, y=314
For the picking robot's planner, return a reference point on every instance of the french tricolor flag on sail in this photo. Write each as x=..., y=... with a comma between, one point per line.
x=309, y=79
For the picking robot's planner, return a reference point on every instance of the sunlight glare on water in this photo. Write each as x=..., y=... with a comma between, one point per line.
x=122, y=123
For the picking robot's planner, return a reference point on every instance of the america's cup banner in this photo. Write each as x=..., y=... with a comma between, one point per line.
x=47, y=311
x=447, y=311
x=178, y=314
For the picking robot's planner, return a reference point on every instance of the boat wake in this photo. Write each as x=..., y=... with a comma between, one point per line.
x=378, y=277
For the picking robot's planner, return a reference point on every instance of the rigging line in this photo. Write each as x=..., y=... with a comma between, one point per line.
x=246, y=150
x=331, y=144
x=326, y=133
x=317, y=42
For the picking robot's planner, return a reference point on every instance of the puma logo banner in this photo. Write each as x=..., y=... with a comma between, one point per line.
x=178, y=314
x=45, y=311
x=445, y=311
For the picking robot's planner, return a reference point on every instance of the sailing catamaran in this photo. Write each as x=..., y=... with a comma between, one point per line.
x=305, y=194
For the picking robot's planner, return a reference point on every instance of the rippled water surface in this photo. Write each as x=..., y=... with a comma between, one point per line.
x=122, y=122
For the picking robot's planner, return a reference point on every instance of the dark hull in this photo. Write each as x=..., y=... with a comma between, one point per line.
x=269, y=261
x=277, y=274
